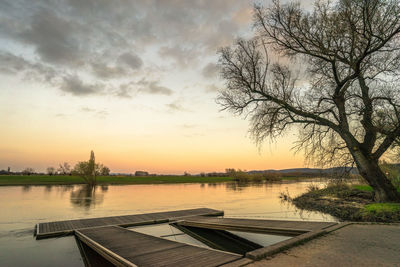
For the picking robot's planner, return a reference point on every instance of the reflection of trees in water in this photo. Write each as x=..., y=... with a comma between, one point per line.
x=26, y=188
x=48, y=188
x=88, y=196
x=104, y=188
x=240, y=186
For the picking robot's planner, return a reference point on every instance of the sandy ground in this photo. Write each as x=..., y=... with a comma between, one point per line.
x=353, y=245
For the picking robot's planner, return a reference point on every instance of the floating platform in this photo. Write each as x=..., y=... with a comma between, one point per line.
x=277, y=227
x=105, y=242
x=60, y=228
x=123, y=247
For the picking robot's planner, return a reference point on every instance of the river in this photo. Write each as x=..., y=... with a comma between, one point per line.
x=21, y=207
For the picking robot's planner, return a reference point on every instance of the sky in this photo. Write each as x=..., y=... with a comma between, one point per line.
x=135, y=81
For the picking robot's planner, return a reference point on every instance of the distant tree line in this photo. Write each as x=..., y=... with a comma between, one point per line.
x=88, y=170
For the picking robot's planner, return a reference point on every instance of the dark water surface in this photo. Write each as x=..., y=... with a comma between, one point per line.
x=21, y=207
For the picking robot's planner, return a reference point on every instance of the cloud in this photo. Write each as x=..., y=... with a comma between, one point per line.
x=212, y=88
x=74, y=85
x=60, y=115
x=153, y=87
x=100, y=113
x=176, y=106
x=54, y=38
x=16, y=65
x=131, y=60
x=211, y=70
x=183, y=56
x=124, y=65
x=104, y=71
x=12, y=64
x=124, y=91
x=115, y=41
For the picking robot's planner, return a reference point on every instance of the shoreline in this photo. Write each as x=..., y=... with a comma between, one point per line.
x=38, y=180
x=43, y=180
x=347, y=203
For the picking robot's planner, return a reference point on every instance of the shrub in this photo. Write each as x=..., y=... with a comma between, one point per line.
x=242, y=176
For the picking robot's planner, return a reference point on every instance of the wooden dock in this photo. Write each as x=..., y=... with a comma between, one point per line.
x=104, y=241
x=287, y=228
x=123, y=247
x=60, y=228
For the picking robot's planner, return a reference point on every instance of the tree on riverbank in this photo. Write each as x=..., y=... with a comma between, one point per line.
x=89, y=170
x=51, y=170
x=64, y=169
x=344, y=93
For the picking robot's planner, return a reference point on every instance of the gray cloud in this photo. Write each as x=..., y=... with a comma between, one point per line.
x=124, y=91
x=176, y=106
x=102, y=70
x=108, y=40
x=153, y=87
x=12, y=64
x=183, y=56
x=143, y=86
x=74, y=85
x=16, y=65
x=131, y=60
x=54, y=38
x=212, y=88
x=211, y=70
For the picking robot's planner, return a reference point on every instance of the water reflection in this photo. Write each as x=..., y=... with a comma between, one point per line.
x=48, y=188
x=23, y=206
x=88, y=196
x=26, y=188
x=240, y=186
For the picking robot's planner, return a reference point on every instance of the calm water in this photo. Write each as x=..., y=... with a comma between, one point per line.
x=22, y=207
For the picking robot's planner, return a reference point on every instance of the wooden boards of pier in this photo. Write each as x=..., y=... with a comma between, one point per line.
x=123, y=247
x=60, y=228
x=287, y=228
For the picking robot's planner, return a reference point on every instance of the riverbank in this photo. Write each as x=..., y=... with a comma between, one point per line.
x=121, y=180
x=348, y=203
x=103, y=180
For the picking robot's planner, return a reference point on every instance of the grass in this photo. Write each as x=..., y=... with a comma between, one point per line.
x=66, y=179
x=167, y=179
x=361, y=187
x=367, y=188
x=382, y=207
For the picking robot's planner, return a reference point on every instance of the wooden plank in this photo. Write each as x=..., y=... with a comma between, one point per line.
x=53, y=229
x=124, y=247
x=279, y=227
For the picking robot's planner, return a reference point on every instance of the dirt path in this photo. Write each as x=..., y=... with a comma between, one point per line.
x=353, y=245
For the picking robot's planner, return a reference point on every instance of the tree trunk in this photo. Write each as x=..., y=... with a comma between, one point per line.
x=384, y=191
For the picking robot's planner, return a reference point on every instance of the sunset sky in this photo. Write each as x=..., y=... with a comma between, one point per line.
x=135, y=81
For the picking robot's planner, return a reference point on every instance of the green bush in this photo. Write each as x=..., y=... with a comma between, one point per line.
x=241, y=176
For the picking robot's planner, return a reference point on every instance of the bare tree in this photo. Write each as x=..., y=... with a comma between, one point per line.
x=51, y=170
x=338, y=85
x=104, y=170
x=64, y=168
x=28, y=171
